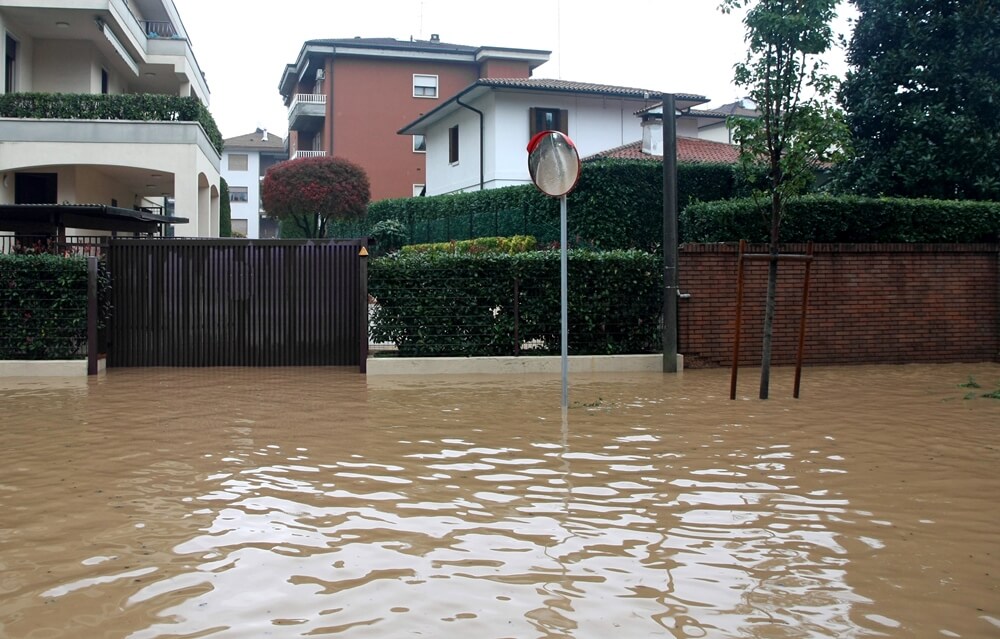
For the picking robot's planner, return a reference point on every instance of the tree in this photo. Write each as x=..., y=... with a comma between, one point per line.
x=225, y=210
x=921, y=98
x=309, y=192
x=798, y=128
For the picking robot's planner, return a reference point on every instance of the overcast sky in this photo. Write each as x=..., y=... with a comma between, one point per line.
x=663, y=45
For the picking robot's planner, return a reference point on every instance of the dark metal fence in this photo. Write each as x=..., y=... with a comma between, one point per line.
x=238, y=303
x=85, y=245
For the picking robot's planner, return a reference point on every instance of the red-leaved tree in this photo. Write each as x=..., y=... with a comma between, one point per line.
x=311, y=191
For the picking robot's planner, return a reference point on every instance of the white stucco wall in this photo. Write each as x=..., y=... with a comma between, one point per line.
x=595, y=124
x=717, y=133
x=64, y=66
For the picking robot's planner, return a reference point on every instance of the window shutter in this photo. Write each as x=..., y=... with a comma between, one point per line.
x=564, y=121
x=532, y=122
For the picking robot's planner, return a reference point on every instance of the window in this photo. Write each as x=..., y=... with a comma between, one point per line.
x=104, y=81
x=237, y=161
x=419, y=144
x=542, y=119
x=10, y=65
x=238, y=227
x=425, y=86
x=419, y=190
x=238, y=193
x=453, y=144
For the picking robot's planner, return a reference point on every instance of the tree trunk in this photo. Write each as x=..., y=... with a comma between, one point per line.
x=772, y=294
x=769, y=308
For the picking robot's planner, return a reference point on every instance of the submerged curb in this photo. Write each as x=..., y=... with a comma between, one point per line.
x=503, y=365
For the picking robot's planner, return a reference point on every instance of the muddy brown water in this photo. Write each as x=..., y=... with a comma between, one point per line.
x=307, y=502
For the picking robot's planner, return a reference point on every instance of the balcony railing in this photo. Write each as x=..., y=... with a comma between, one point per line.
x=308, y=154
x=160, y=29
x=307, y=98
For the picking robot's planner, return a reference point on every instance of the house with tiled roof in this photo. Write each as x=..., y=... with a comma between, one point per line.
x=692, y=145
x=245, y=160
x=348, y=97
x=689, y=151
x=477, y=139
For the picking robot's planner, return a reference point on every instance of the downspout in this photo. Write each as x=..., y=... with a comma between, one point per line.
x=482, y=142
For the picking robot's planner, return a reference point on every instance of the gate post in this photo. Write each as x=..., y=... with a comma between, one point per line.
x=363, y=311
x=92, y=315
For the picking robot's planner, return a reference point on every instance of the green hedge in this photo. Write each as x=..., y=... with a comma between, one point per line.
x=439, y=304
x=43, y=306
x=128, y=106
x=515, y=244
x=617, y=204
x=845, y=219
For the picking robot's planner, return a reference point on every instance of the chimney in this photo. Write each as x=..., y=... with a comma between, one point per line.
x=263, y=137
x=435, y=38
x=652, y=133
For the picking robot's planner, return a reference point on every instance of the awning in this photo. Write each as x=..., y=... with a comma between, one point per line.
x=54, y=218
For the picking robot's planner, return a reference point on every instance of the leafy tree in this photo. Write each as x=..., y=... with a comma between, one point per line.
x=225, y=210
x=309, y=192
x=799, y=128
x=922, y=98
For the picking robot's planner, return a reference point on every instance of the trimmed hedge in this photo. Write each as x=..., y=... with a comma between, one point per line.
x=440, y=304
x=822, y=218
x=515, y=244
x=43, y=306
x=128, y=106
x=617, y=204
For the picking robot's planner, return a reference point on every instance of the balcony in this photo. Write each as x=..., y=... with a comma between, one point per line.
x=307, y=112
x=160, y=29
x=308, y=154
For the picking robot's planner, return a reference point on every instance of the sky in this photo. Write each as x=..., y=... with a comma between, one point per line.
x=672, y=46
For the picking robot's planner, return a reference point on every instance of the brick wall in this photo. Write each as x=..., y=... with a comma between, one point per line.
x=868, y=304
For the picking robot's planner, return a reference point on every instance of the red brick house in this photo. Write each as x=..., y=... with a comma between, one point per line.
x=348, y=97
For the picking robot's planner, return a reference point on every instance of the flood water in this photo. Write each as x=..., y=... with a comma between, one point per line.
x=307, y=502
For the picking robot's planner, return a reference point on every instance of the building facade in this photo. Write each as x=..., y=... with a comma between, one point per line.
x=245, y=160
x=478, y=139
x=349, y=97
x=104, y=104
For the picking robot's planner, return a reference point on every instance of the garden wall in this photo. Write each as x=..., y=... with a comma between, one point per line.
x=868, y=304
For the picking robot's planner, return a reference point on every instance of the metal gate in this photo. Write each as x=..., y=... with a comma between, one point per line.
x=217, y=302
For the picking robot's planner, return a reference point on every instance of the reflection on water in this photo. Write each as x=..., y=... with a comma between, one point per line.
x=303, y=502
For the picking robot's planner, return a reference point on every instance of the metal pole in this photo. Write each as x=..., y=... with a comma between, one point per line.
x=802, y=322
x=739, y=319
x=670, y=238
x=363, y=312
x=564, y=316
x=92, y=316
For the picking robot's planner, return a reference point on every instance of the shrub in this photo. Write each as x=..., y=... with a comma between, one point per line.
x=823, y=218
x=389, y=236
x=128, y=106
x=458, y=304
x=43, y=306
x=516, y=244
x=617, y=204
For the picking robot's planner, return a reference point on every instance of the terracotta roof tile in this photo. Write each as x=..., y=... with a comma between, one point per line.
x=689, y=150
x=254, y=141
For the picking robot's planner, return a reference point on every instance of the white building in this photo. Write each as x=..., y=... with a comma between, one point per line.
x=478, y=139
x=100, y=107
x=245, y=160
